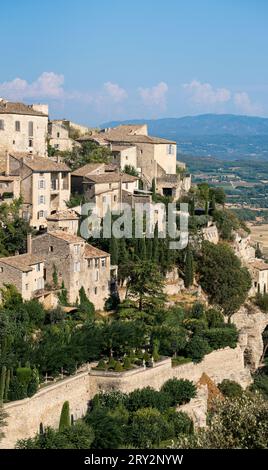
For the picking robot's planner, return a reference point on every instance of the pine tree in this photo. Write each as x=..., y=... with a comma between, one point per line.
x=65, y=420
x=7, y=385
x=189, y=268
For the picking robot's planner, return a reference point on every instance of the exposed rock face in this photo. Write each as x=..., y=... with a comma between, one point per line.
x=197, y=407
x=251, y=322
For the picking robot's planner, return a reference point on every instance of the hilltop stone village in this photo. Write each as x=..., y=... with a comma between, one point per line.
x=141, y=169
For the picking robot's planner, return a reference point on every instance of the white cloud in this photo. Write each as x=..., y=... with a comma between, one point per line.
x=115, y=92
x=244, y=105
x=205, y=94
x=155, y=96
x=48, y=85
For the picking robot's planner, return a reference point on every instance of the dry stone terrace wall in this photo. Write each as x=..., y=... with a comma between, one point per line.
x=25, y=416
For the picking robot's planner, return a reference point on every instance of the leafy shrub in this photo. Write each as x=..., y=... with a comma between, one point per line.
x=215, y=319
x=24, y=375
x=197, y=348
x=222, y=337
x=17, y=389
x=127, y=363
x=261, y=301
x=180, y=391
x=230, y=388
x=110, y=400
x=148, y=428
x=148, y=397
x=101, y=365
x=180, y=421
x=111, y=363
x=118, y=367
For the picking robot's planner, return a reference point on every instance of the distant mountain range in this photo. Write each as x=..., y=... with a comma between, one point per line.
x=224, y=136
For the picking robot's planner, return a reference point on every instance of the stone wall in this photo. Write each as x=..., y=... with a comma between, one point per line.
x=25, y=416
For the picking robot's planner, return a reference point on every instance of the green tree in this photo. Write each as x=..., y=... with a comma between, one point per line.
x=180, y=391
x=131, y=170
x=146, y=284
x=222, y=277
x=3, y=417
x=65, y=420
x=189, y=268
x=113, y=250
x=230, y=388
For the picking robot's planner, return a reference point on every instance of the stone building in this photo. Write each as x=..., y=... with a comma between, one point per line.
x=77, y=264
x=243, y=246
x=44, y=186
x=210, y=233
x=123, y=155
x=103, y=187
x=156, y=157
x=259, y=273
x=66, y=220
x=58, y=137
x=23, y=128
x=9, y=188
x=25, y=272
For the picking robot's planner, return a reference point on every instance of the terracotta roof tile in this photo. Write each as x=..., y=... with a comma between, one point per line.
x=93, y=252
x=40, y=164
x=23, y=262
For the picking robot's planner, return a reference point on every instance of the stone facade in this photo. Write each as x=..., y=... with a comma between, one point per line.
x=25, y=272
x=23, y=128
x=77, y=264
x=25, y=416
x=210, y=233
x=124, y=155
x=59, y=139
x=44, y=185
x=66, y=220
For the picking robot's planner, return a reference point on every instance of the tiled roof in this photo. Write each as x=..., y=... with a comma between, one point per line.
x=67, y=237
x=259, y=264
x=114, y=136
x=6, y=107
x=41, y=164
x=23, y=262
x=87, y=169
x=112, y=177
x=63, y=215
x=93, y=252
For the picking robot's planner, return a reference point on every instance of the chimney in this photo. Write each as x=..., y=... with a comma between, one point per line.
x=29, y=243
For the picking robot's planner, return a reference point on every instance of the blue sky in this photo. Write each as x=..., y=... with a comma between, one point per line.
x=94, y=61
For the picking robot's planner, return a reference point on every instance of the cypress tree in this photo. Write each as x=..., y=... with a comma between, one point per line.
x=189, y=268
x=213, y=203
x=65, y=421
x=156, y=245
x=3, y=382
x=149, y=248
x=141, y=248
x=123, y=253
x=7, y=385
x=153, y=188
x=114, y=250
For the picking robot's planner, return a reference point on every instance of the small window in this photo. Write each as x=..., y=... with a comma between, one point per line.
x=96, y=262
x=17, y=126
x=95, y=290
x=97, y=276
x=42, y=199
x=51, y=249
x=58, y=135
x=110, y=185
x=14, y=142
x=30, y=143
x=103, y=262
x=2, y=125
x=77, y=249
x=41, y=214
x=115, y=198
x=1, y=269
x=38, y=267
x=41, y=184
x=30, y=130
x=126, y=157
x=26, y=286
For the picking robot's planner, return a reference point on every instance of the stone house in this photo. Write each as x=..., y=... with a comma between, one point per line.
x=123, y=155
x=242, y=245
x=23, y=128
x=156, y=157
x=259, y=273
x=210, y=233
x=77, y=264
x=103, y=187
x=58, y=137
x=25, y=272
x=66, y=220
x=44, y=186
x=9, y=188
